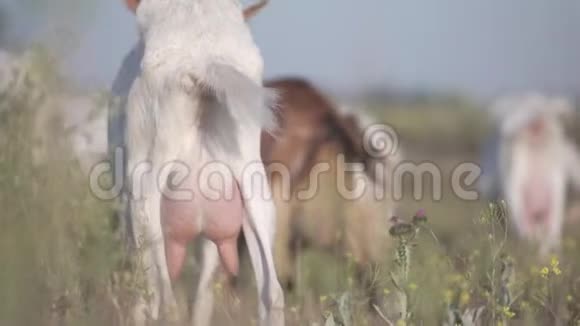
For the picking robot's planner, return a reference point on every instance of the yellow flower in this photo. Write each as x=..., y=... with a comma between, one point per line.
x=507, y=312
x=413, y=286
x=555, y=266
x=544, y=272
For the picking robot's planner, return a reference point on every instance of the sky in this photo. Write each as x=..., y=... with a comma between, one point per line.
x=478, y=47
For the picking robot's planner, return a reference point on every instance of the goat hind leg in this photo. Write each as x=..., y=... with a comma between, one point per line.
x=283, y=254
x=154, y=249
x=259, y=227
x=204, y=299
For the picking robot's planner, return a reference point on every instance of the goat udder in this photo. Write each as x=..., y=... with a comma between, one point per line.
x=219, y=220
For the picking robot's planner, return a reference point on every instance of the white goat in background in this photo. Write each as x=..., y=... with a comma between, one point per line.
x=537, y=162
x=199, y=99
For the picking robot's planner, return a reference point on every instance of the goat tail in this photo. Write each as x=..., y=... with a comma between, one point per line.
x=248, y=101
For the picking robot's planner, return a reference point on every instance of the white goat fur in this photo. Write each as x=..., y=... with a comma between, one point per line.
x=554, y=160
x=194, y=48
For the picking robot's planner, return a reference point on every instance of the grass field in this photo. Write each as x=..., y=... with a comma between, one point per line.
x=62, y=262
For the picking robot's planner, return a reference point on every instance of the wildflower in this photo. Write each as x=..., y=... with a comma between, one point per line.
x=507, y=312
x=464, y=298
x=544, y=272
x=386, y=291
x=481, y=220
x=420, y=217
x=403, y=256
x=555, y=266
x=401, y=229
x=413, y=286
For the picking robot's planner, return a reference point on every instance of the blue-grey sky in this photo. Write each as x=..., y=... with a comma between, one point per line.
x=481, y=47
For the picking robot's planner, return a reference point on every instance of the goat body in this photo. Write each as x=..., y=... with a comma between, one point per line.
x=537, y=162
x=197, y=104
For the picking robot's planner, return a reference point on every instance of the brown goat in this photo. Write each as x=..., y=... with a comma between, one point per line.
x=313, y=132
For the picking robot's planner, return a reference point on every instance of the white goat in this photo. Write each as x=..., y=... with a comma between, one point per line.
x=199, y=99
x=537, y=162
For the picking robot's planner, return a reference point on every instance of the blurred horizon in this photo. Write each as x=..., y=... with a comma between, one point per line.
x=474, y=49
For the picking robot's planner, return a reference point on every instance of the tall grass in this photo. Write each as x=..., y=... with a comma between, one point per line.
x=57, y=245
x=61, y=262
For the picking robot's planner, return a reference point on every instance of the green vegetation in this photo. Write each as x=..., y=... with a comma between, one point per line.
x=62, y=263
